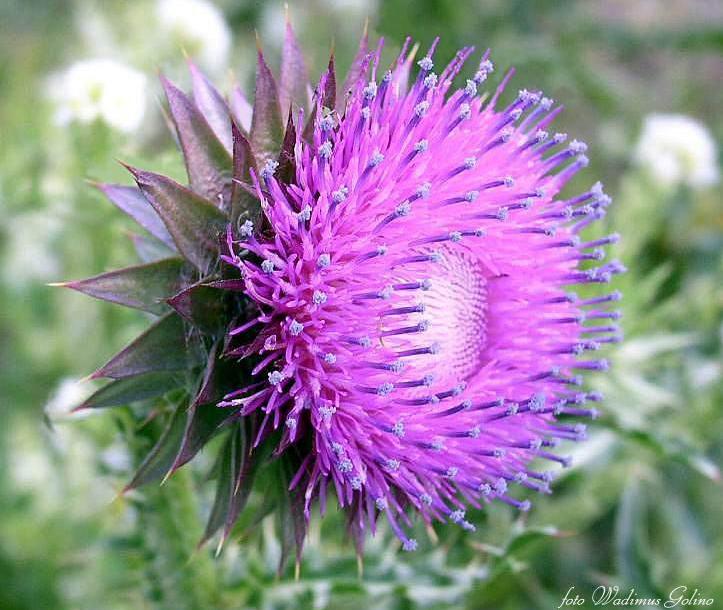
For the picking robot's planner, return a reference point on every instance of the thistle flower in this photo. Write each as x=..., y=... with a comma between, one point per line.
x=382, y=299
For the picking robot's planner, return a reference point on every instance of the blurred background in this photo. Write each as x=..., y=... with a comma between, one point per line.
x=641, y=505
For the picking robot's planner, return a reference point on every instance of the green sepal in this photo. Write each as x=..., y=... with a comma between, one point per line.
x=208, y=163
x=149, y=249
x=202, y=423
x=160, y=348
x=159, y=461
x=241, y=109
x=266, y=124
x=287, y=158
x=234, y=483
x=219, y=377
x=356, y=70
x=131, y=389
x=202, y=305
x=131, y=201
x=294, y=77
x=143, y=287
x=243, y=203
x=212, y=106
x=326, y=96
x=193, y=222
x=290, y=514
x=328, y=91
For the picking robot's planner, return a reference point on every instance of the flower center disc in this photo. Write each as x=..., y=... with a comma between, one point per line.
x=456, y=307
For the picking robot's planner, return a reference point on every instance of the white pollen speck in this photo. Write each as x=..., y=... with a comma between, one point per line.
x=393, y=465
x=305, y=214
x=421, y=109
x=296, y=328
x=325, y=149
x=376, y=158
x=269, y=169
x=424, y=189
x=409, y=545
x=386, y=292
x=326, y=123
x=578, y=147
x=275, y=377
x=430, y=81
x=370, y=91
x=426, y=63
x=403, y=209
x=246, y=229
x=456, y=516
x=385, y=389
x=340, y=194
x=421, y=146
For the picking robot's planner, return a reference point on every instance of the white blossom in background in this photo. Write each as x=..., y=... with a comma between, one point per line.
x=273, y=24
x=677, y=149
x=364, y=8
x=198, y=27
x=100, y=89
x=27, y=253
x=69, y=393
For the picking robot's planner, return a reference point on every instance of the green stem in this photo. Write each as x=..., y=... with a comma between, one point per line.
x=177, y=575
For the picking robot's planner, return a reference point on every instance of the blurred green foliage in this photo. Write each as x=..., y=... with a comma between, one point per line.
x=641, y=505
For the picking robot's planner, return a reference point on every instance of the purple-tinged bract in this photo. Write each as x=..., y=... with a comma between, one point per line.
x=415, y=314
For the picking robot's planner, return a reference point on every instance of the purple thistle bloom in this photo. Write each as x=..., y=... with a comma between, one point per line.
x=398, y=322
x=415, y=322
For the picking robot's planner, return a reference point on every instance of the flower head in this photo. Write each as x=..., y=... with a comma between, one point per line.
x=470, y=295
x=398, y=277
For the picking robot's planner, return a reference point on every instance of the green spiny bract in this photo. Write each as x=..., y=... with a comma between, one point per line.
x=194, y=297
